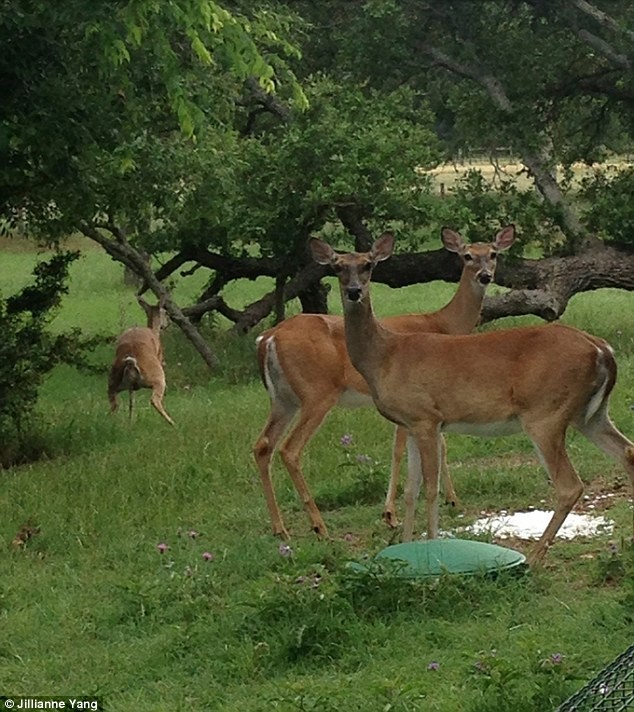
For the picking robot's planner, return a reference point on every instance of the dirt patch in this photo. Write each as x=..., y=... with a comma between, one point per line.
x=601, y=495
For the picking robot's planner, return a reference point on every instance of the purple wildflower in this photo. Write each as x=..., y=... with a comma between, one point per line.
x=433, y=665
x=285, y=550
x=556, y=658
x=162, y=547
x=208, y=556
x=346, y=440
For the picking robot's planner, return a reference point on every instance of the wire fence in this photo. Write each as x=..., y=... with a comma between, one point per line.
x=612, y=690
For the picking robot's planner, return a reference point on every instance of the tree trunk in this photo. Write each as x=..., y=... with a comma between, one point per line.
x=314, y=299
x=280, y=311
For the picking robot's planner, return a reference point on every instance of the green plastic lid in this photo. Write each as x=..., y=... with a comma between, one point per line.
x=448, y=556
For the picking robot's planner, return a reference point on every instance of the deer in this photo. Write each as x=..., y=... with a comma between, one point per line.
x=138, y=361
x=540, y=380
x=305, y=367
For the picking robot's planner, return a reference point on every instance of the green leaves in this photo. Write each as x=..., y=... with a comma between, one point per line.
x=84, y=83
x=28, y=351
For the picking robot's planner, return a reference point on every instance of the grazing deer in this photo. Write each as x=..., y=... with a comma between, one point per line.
x=306, y=369
x=540, y=380
x=139, y=360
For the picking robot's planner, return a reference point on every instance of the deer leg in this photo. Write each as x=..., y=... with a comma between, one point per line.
x=423, y=462
x=114, y=401
x=275, y=427
x=445, y=476
x=398, y=447
x=157, y=401
x=114, y=381
x=311, y=416
x=400, y=440
x=549, y=439
x=601, y=431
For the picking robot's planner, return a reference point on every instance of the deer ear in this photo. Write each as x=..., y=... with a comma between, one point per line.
x=383, y=247
x=321, y=251
x=452, y=240
x=142, y=303
x=505, y=238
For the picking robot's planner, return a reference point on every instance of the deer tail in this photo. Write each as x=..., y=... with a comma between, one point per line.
x=131, y=375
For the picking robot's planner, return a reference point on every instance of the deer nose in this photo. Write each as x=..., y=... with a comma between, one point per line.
x=485, y=278
x=354, y=293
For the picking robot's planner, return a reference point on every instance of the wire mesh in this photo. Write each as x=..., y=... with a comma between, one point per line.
x=612, y=690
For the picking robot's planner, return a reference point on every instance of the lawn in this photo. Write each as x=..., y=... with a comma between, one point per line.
x=155, y=585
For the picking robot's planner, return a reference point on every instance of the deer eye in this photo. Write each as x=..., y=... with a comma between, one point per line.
x=366, y=267
x=493, y=255
x=468, y=257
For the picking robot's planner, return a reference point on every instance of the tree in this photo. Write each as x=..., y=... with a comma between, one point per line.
x=550, y=79
x=28, y=352
x=181, y=130
x=103, y=107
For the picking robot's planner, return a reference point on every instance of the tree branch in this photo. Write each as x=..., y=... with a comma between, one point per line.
x=121, y=251
x=602, y=18
x=537, y=162
x=604, y=48
x=352, y=219
x=269, y=101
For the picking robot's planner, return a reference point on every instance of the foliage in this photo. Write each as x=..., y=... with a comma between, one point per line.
x=266, y=192
x=242, y=128
x=609, y=212
x=523, y=685
x=28, y=351
x=367, y=480
x=99, y=101
x=533, y=53
x=477, y=208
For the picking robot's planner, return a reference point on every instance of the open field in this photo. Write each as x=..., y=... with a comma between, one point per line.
x=508, y=168
x=221, y=620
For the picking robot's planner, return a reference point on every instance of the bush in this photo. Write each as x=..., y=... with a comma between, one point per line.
x=28, y=351
x=610, y=211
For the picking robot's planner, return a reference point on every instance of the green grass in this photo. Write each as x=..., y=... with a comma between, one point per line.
x=90, y=606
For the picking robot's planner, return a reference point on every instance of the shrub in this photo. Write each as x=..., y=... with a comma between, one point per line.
x=610, y=211
x=28, y=351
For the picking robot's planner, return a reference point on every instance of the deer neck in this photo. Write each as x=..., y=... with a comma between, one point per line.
x=365, y=338
x=154, y=324
x=462, y=314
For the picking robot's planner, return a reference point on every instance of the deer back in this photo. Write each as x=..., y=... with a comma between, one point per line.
x=144, y=345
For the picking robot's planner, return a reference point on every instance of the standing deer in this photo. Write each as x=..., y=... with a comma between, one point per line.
x=306, y=369
x=139, y=360
x=540, y=380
